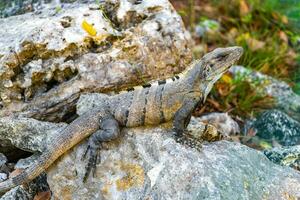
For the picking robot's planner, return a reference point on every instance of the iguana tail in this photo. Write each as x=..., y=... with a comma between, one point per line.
x=75, y=132
x=25, y=176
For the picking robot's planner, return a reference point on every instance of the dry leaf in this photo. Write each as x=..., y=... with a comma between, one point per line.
x=43, y=195
x=232, y=34
x=255, y=44
x=251, y=132
x=89, y=28
x=275, y=15
x=244, y=8
x=265, y=68
x=223, y=89
x=15, y=172
x=283, y=36
x=214, y=103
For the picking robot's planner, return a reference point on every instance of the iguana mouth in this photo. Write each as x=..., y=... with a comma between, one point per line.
x=220, y=60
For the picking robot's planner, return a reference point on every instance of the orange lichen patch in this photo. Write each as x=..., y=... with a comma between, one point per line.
x=67, y=193
x=287, y=196
x=135, y=176
x=105, y=190
x=15, y=172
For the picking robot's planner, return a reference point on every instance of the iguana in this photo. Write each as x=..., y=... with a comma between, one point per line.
x=150, y=104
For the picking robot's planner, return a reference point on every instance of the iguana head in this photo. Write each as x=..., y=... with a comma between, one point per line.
x=214, y=64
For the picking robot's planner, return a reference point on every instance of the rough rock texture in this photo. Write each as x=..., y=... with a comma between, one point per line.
x=146, y=163
x=26, y=134
x=222, y=121
x=47, y=59
x=276, y=126
x=3, y=159
x=286, y=156
x=17, y=7
x=286, y=99
x=18, y=193
x=3, y=167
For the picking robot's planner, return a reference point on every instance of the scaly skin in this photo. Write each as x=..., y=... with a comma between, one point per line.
x=151, y=104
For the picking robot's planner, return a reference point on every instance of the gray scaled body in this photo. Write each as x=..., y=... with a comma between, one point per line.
x=150, y=104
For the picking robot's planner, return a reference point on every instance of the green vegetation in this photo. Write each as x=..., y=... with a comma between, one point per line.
x=239, y=96
x=269, y=32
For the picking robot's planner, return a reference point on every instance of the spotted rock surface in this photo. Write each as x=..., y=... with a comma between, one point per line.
x=285, y=156
x=222, y=121
x=147, y=163
x=26, y=134
x=276, y=126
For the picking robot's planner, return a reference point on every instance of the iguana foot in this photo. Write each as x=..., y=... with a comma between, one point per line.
x=109, y=130
x=186, y=139
x=93, y=151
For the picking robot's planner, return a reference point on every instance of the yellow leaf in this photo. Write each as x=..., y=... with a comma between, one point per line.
x=265, y=145
x=265, y=68
x=89, y=28
x=227, y=79
x=284, y=19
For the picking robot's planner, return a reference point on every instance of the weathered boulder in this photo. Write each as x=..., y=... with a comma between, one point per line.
x=286, y=156
x=27, y=134
x=47, y=59
x=148, y=163
x=16, y=7
x=275, y=126
x=285, y=98
x=17, y=193
x=3, y=159
x=222, y=121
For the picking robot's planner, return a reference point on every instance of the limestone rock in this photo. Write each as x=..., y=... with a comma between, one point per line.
x=17, y=193
x=286, y=156
x=3, y=159
x=148, y=164
x=47, y=59
x=26, y=134
x=276, y=126
x=222, y=121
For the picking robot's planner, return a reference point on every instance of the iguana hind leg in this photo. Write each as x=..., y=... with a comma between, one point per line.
x=109, y=130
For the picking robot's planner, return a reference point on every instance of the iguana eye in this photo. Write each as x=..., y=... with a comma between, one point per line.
x=222, y=55
x=207, y=71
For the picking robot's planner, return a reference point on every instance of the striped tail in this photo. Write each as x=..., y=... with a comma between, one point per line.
x=25, y=176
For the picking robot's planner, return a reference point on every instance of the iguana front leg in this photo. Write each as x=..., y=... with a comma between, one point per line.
x=183, y=115
x=109, y=130
x=181, y=120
